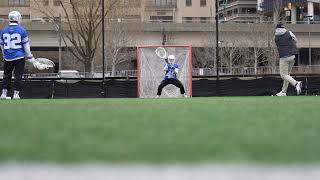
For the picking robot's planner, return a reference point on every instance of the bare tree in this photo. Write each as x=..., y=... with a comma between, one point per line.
x=203, y=57
x=243, y=51
x=260, y=47
x=80, y=27
x=259, y=37
x=118, y=43
x=278, y=10
x=120, y=34
x=230, y=54
x=206, y=57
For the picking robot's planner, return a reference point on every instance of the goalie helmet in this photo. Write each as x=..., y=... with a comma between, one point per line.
x=171, y=59
x=14, y=16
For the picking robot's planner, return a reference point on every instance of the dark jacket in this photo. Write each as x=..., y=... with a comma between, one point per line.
x=286, y=43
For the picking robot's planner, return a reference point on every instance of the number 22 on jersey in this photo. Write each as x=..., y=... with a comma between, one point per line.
x=12, y=41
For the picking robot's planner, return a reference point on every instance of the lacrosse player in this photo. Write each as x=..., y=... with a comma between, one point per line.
x=15, y=47
x=286, y=43
x=171, y=70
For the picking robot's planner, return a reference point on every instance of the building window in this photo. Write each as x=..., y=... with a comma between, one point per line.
x=171, y=2
x=229, y=13
x=203, y=3
x=161, y=18
x=188, y=3
x=45, y=2
x=187, y=19
x=243, y=10
x=204, y=19
x=235, y=11
x=56, y=2
x=164, y=2
x=251, y=10
x=15, y=3
x=128, y=3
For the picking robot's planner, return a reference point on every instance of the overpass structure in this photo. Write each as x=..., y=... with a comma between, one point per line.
x=45, y=34
x=44, y=37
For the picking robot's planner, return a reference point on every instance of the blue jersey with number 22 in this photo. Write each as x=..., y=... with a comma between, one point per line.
x=12, y=37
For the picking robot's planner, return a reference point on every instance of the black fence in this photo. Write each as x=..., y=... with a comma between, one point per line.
x=204, y=86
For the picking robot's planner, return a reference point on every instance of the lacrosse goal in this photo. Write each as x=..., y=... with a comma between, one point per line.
x=151, y=73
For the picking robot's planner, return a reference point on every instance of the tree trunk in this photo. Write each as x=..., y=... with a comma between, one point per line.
x=214, y=60
x=113, y=69
x=87, y=65
x=255, y=60
x=230, y=62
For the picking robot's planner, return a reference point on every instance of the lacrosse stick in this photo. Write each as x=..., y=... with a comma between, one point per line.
x=161, y=52
x=43, y=63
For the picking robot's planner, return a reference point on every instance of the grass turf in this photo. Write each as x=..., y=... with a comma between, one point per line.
x=236, y=129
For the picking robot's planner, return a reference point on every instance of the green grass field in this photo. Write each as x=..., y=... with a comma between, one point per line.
x=224, y=129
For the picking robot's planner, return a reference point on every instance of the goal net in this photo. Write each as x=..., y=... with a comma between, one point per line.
x=151, y=73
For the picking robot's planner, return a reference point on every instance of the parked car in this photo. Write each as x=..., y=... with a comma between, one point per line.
x=68, y=74
x=37, y=19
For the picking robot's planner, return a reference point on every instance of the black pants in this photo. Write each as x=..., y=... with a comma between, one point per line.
x=17, y=67
x=175, y=82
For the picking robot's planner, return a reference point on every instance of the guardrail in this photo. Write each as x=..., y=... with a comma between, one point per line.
x=48, y=22
x=265, y=70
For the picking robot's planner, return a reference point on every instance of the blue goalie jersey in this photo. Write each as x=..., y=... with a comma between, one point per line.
x=12, y=38
x=171, y=71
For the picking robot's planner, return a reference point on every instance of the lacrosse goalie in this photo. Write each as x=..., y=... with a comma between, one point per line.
x=15, y=47
x=171, y=70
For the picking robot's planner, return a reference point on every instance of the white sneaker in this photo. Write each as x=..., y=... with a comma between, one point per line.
x=281, y=94
x=3, y=96
x=184, y=96
x=157, y=96
x=298, y=87
x=16, y=96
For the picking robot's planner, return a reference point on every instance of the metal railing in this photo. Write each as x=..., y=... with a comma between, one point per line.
x=122, y=73
x=265, y=70
x=48, y=22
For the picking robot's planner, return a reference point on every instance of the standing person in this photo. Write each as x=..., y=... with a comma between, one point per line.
x=286, y=43
x=171, y=70
x=15, y=47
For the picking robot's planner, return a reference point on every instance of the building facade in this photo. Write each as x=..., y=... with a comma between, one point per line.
x=144, y=10
x=238, y=10
x=292, y=11
x=183, y=25
x=27, y=8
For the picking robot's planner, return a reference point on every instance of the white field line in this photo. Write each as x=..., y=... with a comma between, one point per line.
x=156, y=172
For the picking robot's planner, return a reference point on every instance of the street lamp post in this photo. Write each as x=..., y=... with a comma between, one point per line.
x=103, y=53
x=60, y=39
x=309, y=37
x=217, y=48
